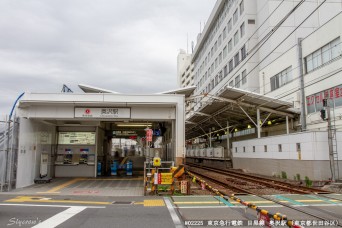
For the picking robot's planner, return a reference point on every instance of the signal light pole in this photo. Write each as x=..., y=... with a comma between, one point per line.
x=330, y=138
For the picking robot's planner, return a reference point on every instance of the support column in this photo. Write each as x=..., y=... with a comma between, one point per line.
x=210, y=137
x=287, y=125
x=258, y=123
x=302, y=92
x=179, y=134
x=228, y=142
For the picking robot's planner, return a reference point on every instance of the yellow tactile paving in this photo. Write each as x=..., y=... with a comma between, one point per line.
x=37, y=199
x=59, y=187
x=152, y=203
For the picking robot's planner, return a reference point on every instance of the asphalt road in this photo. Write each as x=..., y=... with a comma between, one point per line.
x=137, y=213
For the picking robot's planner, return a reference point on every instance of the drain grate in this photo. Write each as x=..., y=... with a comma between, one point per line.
x=122, y=202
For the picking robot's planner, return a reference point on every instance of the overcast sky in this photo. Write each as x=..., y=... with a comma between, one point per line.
x=129, y=46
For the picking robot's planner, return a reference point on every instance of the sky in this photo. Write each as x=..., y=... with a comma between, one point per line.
x=128, y=46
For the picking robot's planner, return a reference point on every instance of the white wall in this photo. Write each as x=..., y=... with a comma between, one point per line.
x=314, y=146
x=34, y=138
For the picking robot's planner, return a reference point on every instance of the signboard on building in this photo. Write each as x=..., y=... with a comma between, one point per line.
x=122, y=113
x=314, y=102
x=76, y=138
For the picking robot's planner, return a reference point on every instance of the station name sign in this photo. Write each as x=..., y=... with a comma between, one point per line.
x=121, y=113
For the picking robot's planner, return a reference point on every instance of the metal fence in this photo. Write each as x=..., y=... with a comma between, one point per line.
x=9, y=133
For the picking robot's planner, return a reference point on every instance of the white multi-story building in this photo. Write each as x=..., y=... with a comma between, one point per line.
x=242, y=36
x=251, y=47
x=185, y=70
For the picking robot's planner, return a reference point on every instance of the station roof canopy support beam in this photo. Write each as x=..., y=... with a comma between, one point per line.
x=237, y=106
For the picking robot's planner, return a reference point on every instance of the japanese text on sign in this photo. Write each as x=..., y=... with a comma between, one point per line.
x=314, y=102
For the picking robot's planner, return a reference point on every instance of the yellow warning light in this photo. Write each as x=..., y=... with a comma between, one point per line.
x=156, y=161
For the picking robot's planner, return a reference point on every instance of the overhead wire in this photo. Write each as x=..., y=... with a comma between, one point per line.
x=268, y=36
x=264, y=41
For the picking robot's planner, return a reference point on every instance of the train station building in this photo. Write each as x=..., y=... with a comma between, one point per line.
x=81, y=135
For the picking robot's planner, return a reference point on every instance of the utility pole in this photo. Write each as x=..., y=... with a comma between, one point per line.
x=330, y=141
x=301, y=86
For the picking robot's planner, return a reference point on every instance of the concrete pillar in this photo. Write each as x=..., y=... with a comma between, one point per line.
x=180, y=131
x=287, y=125
x=258, y=123
x=228, y=142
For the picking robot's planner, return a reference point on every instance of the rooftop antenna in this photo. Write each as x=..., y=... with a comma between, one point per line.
x=187, y=43
x=66, y=89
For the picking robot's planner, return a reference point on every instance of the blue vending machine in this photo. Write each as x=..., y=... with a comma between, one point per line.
x=114, y=168
x=129, y=168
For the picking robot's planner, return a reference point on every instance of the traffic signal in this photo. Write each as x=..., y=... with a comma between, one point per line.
x=323, y=114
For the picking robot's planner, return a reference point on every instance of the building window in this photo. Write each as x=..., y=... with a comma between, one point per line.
x=220, y=58
x=231, y=66
x=236, y=38
x=251, y=22
x=280, y=149
x=237, y=81
x=224, y=34
x=274, y=82
x=225, y=71
x=219, y=40
x=281, y=78
x=230, y=26
x=242, y=30
x=323, y=55
x=230, y=45
x=236, y=59
x=244, y=149
x=215, y=46
x=242, y=7
x=225, y=52
x=314, y=102
x=235, y=149
x=235, y=16
x=216, y=63
x=231, y=83
x=253, y=148
x=243, y=52
x=265, y=148
x=244, y=77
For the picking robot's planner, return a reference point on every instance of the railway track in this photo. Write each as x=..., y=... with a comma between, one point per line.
x=229, y=190
x=262, y=181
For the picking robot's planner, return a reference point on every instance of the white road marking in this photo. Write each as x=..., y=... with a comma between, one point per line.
x=174, y=216
x=60, y=217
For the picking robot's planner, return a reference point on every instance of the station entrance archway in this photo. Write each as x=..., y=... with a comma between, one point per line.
x=77, y=131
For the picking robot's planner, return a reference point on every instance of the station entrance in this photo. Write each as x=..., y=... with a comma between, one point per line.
x=97, y=135
x=111, y=149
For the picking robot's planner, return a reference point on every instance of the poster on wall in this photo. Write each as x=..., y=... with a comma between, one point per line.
x=76, y=138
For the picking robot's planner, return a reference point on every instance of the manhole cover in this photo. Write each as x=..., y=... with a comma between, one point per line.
x=122, y=202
